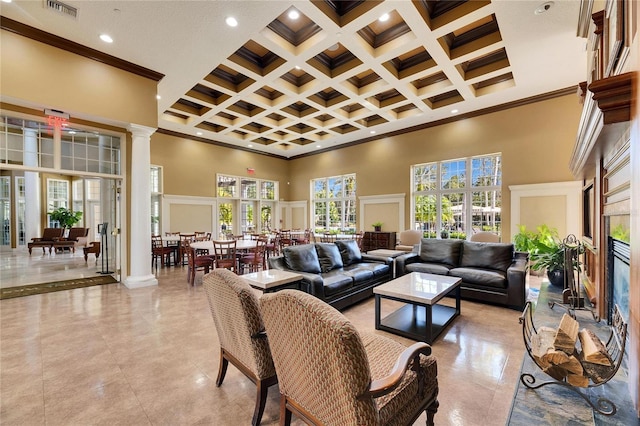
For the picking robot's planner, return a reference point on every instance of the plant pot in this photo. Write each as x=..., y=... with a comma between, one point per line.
x=377, y=228
x=556, y=277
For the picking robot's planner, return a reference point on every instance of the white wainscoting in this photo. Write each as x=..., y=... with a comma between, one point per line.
x=169, y=200
x=568, y=193
x=368, y=203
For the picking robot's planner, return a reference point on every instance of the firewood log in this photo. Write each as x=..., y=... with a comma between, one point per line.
x=555, y=357
x=541, y=342
x=593, y=350
x=572, y=366
x=556, y=372
x=578, y=380
x=567, y=334
x=596, y=372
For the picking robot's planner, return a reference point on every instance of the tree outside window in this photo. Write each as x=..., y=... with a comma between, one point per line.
x=455, y=198
x=334, y=206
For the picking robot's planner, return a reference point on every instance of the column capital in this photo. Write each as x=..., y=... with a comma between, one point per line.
x=138, y=130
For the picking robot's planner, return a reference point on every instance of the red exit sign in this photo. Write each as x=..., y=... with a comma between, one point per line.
x=56, y=121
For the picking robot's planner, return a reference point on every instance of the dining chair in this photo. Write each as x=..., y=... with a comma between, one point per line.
x=305, y=238
x=225, y=254
x=254, y=259
x=160, y=251
x=284, y=239
x=196, y=262
x=243, y=342
x=175, y=245
x=328, y=238
x=359, y=236
x=182, y=251
x=199, y=235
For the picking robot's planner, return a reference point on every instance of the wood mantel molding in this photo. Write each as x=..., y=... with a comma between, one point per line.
x=613, y=95
x=598, y=19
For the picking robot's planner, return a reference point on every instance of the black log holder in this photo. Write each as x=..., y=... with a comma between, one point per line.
x=104, y=246
x=615, y=348
x=572, y=298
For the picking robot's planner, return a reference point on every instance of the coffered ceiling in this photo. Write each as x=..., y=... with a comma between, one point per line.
x=339, y=72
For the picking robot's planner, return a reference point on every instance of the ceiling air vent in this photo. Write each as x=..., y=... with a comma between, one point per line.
x=60, y=7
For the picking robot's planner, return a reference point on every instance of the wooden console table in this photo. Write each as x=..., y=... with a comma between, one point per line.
x=378, y=240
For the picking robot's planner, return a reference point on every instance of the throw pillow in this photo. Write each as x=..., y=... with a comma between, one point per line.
x=302, y=258
x=329, y=256
x=349, y=251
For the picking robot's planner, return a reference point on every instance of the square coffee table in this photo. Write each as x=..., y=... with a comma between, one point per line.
x=273, y=280
x=421, y=318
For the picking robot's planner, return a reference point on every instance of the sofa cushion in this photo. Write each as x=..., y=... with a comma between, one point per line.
x=487, y=255
x=428, y=268
x=489, y=278
x=440, y=251
x=358, y=273
x=376, y=268
x=336, y=281
x=328, y=256
x=302, y=258
x=349, y=251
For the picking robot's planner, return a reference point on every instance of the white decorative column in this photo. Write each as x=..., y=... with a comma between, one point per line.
x=140, y=230
x=31, y=187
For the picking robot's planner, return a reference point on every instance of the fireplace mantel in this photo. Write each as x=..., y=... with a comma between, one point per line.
x=605, y=119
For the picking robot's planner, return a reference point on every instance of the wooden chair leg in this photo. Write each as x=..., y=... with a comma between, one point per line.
x=285, y=414
x=431, y=412
x=222, y=369
x=261, y=400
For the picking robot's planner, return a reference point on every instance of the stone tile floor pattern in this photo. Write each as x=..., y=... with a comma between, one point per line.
x=110, y=355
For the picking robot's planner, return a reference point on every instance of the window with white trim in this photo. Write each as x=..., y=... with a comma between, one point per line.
x=254, y=195
x=57, y=196
x=455, y=198
x=5, y=210
x=334, y=203
x=156, y=198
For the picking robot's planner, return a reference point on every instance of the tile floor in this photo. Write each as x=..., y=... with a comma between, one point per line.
x=18, y=268
x=110, y=355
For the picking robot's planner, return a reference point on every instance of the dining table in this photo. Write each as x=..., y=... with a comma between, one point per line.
x=241, y=245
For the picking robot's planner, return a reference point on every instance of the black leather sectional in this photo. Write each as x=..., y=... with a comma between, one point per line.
x=490, y=272
x=337, y=273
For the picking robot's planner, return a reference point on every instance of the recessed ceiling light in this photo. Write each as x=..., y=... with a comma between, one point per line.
x=231, y=21
x=158, y=97
x=333, y=48
x=6, y=1
x=454, y=111
x=543, y=8
x=318, y=146
x=199, y=133
x=297, y=67
x=293, y=14
x=106, y=38
x=71, y=132
x=250, y=146
x=373, y=132
x=384, y=18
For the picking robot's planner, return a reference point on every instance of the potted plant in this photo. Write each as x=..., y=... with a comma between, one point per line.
x=377, y=226
x=65, y=217
x=544, y=240
x=549, y=254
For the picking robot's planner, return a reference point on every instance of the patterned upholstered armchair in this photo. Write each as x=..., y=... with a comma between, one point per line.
x=329, y=374
x=243, y=342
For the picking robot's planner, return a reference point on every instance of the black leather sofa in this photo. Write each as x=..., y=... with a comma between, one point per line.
x=337, y=273
x=490, y=272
